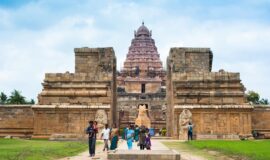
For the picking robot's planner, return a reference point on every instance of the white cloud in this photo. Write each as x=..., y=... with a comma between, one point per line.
x=38, y=39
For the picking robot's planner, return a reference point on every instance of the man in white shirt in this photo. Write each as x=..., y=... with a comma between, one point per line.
x=105, y=134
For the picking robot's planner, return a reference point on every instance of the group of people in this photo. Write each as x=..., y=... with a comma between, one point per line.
x=131, y=134
x=137, y=134
x=106, y=135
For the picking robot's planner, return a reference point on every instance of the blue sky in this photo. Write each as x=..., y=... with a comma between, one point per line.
x=38, y=36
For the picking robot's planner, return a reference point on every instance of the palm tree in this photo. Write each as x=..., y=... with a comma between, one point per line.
x=3, y=98
x=16, y=98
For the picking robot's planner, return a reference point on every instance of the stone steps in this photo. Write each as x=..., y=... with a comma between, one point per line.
x=144, y=155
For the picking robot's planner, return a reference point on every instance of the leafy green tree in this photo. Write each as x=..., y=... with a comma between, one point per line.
x=3, y=98
x=264, y=101
x=32, y=101
x=16, y=98
x=253, y=97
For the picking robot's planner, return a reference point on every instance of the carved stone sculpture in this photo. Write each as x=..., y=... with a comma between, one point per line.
x=102, y=119
x=184, y=118
x=142, y=118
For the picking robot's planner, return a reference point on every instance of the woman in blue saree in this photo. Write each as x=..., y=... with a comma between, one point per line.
x=130, y=135
x=114, y=137
x=136, y=133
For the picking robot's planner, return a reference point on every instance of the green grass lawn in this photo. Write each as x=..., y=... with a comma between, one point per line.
x=19, y=149
x=254, y=149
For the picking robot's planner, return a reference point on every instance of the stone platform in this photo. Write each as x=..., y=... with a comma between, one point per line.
x=158, y=152
x=144, y=154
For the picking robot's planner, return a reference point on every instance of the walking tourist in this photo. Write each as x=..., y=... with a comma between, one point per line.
x=124, y=134
x=136, y=133
x=114, y=137
x=105, y=136
x=142, y=137
x=91, y=138
x=95, y=126
x=130, y=136
x=148, y=142
x=190, y=130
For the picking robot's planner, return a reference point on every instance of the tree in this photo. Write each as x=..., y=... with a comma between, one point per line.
x=253, y=97
x=16, y=98
x=32, y=101
x=3, y=98
x=264, y=101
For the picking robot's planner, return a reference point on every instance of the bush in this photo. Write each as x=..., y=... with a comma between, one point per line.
x=163, y=132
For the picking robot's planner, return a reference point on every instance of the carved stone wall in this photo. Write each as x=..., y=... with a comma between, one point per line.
x=16, y=120
x=261, y=118
x=208, y=88
x=92, y=85
x=93, y=82
x=191, y=59
x=226, y=122
x=136, y=86
x=63, y=119
x=191, y=82
x=127, y=109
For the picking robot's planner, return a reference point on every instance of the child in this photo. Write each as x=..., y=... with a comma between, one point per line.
x=148, y=142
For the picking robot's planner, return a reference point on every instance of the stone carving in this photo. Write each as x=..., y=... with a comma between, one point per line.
x=184, y=118
x=102, y=119
x=142, y=118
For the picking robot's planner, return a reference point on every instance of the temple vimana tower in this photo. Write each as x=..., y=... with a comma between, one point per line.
x=141, y=92
x=142, y=80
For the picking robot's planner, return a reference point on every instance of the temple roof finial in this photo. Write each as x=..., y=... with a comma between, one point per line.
x=143, y=23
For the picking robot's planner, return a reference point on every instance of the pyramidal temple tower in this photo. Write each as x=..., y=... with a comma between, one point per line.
x=141, y=81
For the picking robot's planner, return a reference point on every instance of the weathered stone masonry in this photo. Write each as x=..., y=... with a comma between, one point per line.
x=215, y=99
x=69, y=100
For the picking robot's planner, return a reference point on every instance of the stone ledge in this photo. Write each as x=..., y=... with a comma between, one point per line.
x=191, y=49
x=71, y=106
x=144, y=154
x=16, y=105
x=246, y=106
x=216, y=136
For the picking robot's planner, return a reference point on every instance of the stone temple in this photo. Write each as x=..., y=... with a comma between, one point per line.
x=142, y=80
x=142, y=92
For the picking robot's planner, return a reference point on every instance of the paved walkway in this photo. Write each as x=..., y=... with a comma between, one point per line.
x=156, y=145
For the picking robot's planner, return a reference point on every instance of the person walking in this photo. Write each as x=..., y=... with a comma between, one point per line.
x=190, y=131
x=95, y=124
x=124, y=135
x=142, y=137
x=114, y=137
x=90, y=130
x=130, y=136
x=136, y=133
x=148, y=142
x=105, y=134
